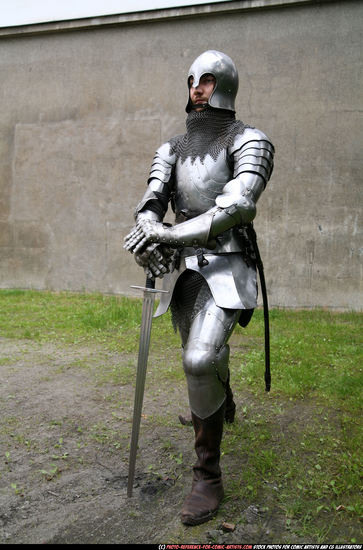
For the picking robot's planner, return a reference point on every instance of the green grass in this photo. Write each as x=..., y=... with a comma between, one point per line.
x=313, y=353
x=299, y=447
x=72, y=318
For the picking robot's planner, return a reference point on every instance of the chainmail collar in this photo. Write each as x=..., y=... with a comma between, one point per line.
x=208, y=133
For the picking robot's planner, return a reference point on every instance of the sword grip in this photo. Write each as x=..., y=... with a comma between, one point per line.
x=150, y=283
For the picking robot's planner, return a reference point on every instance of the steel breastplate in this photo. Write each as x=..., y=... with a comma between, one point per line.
x=196, y=191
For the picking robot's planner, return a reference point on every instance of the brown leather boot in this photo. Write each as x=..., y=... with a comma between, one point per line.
x=207, y=488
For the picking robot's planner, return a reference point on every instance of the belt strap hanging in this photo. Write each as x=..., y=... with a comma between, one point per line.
x=253, y=238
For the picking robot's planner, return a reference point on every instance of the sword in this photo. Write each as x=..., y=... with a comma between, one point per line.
x=145, y=331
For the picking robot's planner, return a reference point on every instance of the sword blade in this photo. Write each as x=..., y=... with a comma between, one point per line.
x=145, y=331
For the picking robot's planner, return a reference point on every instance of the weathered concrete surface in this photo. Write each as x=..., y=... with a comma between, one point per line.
x=83, y=112
x=70, y=198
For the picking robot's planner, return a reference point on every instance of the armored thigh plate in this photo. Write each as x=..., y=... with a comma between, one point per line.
x=206, y=356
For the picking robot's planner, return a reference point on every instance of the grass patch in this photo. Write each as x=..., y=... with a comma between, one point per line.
x=313, y=353
x=73, y=318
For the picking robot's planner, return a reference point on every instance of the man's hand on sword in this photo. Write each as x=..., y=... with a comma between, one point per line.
x=154, y=258
x=143, y=233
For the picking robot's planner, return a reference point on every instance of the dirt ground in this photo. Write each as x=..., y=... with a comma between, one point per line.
x=64, y=434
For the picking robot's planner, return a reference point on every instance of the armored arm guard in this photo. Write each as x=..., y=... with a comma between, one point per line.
x=252, y=154
x=155, y=259
x=154, y=203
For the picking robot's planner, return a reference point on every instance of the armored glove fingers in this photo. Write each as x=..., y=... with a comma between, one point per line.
x=155, y=259
x=133, y=238
x=144, y=232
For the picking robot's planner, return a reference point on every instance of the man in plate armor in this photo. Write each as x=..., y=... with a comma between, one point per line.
x=213, y=176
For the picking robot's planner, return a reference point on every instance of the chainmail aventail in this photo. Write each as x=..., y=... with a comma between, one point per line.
x=208, y=133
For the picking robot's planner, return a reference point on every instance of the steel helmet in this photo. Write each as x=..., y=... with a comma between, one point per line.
x=224, y=71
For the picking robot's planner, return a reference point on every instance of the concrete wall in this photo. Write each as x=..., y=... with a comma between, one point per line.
x=83, y=111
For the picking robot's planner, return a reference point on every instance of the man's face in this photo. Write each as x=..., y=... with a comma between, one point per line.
x=201, y=93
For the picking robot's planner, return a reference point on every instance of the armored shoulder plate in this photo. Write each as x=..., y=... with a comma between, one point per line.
x=252, y=152
x=162, y=164
x=160, y=181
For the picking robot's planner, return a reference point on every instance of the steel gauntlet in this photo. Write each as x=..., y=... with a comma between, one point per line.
x=194, y=232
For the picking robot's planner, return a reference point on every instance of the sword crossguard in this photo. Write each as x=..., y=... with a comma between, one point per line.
x=151, y=290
